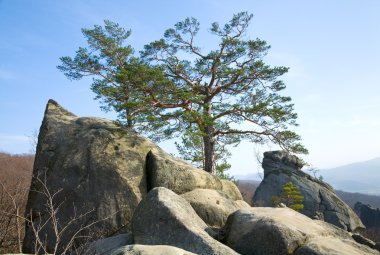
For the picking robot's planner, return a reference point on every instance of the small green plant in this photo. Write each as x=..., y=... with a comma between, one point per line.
x=290, y=196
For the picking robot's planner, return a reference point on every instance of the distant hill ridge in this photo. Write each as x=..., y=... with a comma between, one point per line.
x=361, y=177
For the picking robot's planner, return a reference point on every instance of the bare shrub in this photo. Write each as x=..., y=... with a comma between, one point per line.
x=53, y=235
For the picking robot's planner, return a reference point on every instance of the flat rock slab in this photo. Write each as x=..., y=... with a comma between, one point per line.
x=107, y=245
x=138, y=249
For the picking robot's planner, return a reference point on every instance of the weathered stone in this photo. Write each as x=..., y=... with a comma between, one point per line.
x=177, y=175
x=320, y=200
x=138, y=249
x=213, y=206
x=325, y=245
x=362, y=240
x=164, y=218
x=265, y=230
x=99, y=168
x=231, y=190
x=280, y=160
x=369, y=215
x=108, y=245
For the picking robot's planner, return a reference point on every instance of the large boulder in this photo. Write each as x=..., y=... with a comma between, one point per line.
x=231, y=190
x=164, y=218
x=369, y=215
x=139, y=249
x=97, y=171
x=320, y=200
x=177, y=175
x=213, y=206
x=265, y=230
x=97, y=166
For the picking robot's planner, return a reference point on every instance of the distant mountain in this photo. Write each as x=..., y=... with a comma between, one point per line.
x=361, y=177
x=352, y=198
x=254, y=176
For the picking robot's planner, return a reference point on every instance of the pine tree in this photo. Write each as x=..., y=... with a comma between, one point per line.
x=223, y=96
x=290, y=196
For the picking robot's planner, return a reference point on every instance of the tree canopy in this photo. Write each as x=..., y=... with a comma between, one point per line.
x=173, y=87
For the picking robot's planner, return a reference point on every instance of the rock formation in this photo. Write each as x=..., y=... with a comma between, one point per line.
x=98, y=168
x=139, y=249
x=122, y=186
x=166, y=218
x=267, y=231
x=101, y=172
x=213, y=206
x=370, y=216
x=108, y=245
x=320, y=200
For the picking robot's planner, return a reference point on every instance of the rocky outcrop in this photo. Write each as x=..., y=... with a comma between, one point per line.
x=101, y=172
x=151, y=250
x=112, y=180
x=164, y=218
x=320, y=200
x=98, y=167
x=370, y=216
x=213, y=206
x=276, y=231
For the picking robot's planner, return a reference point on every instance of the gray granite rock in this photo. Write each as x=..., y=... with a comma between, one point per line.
x=99, y=168
x=138, y=249
x=320, y=200
x=273, y=231
x=213, y=206
x=106, y=246
x=369, y=215
x=164, y=218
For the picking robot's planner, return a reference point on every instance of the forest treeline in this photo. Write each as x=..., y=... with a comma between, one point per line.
x=15, y=178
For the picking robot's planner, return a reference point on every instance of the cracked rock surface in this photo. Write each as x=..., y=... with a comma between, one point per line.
x=264, y=230
x=98, y=167
x=320, y=200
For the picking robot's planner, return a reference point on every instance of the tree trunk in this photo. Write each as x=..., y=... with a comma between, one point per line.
x=208, y=144
x=208, y=137
x=129, y=119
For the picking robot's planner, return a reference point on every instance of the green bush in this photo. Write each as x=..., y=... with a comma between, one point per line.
x=290, y=196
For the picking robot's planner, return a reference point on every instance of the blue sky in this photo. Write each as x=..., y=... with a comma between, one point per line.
x=331, y=47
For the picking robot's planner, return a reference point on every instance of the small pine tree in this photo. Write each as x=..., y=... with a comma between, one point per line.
x=290, y=196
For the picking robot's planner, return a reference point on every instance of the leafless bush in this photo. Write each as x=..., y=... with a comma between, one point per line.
x=12, y=204
x=15, y=179
x=63, y=235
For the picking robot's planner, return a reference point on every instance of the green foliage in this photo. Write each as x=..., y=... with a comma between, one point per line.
x=120, y=80
x=191, y=149
x=290, y=196
x=219, y=90
x=223, y=96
